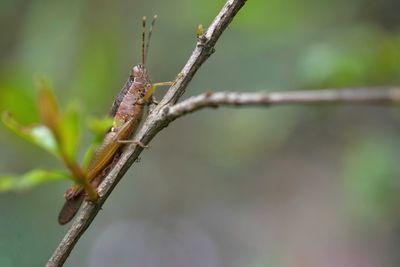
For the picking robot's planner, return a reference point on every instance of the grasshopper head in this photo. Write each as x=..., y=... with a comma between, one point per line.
x=139, y=71
x=142, y=83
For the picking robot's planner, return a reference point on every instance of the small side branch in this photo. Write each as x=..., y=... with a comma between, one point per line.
x=204, y=48
x=361, y=96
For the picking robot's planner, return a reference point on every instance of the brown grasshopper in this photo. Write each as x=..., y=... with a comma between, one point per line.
x=127, y=111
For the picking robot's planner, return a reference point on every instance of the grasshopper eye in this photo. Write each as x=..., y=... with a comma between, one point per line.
x=138, y=70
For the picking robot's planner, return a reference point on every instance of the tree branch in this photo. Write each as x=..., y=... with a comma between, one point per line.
x=326, y=96
x=167, y=111
x=153, y=124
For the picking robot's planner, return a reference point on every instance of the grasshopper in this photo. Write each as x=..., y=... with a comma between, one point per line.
x=127, y=112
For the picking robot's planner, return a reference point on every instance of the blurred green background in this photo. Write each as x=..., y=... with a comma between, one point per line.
x=278, y=187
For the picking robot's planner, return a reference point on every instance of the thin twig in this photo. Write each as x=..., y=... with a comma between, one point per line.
x=360, y=96
x=204, y=48
x=152, y=125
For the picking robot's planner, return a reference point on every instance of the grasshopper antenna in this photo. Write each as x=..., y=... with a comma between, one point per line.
x=143, y=40
x=153, y=22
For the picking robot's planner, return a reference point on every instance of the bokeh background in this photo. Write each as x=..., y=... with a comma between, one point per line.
x=278, y=187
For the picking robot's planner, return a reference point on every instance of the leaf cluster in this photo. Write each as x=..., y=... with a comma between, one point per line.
x=58, y=133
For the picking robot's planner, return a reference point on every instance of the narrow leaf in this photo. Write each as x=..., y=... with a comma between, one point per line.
x=89, y=154
x=48, y=108
x=69, y=134
x=29, y=180
x=39, y=135
x=99, y=128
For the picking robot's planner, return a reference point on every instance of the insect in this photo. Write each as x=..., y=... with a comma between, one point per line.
x=127, y=112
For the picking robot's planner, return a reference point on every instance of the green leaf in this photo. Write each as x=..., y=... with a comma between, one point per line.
x=39, y=135
x=65, y=127
x=89, y=154
x=69, y=133
x=49, y=108
x=99, y=127
x=29, y=180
